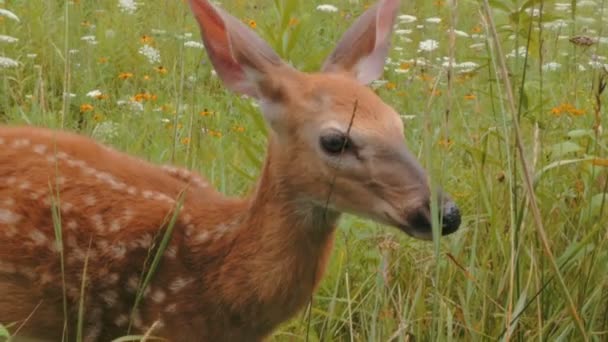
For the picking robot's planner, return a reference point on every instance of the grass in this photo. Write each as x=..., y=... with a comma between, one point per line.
x=516, y=137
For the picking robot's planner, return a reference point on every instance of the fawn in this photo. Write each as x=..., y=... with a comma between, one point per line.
x=234, y=268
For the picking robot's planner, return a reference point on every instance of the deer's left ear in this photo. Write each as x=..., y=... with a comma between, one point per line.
x=362, y=50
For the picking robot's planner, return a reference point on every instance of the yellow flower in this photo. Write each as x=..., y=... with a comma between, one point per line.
x=98, y=117
x=476, y=29
x=185, y=141
x=252, y=24
x=405, y=66
x=600, y=162
x=102, y=60
x=86, y=107
x=238, y=129
x=147, y=77
x=294, y=21
x=469, y=97
x=445, y=143
x=125, y=75
x=216, y=134
x=567, y=108
x=390, y=85
x=161, y=69
x=145, y=39
x=85, y=23
x=141, y=97
x=205, y=112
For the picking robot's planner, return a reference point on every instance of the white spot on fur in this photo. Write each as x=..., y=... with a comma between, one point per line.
x=147, y=194
x=46, y=278
x=118, y=251
x=72, y=225
x=1, y=141
x=171, y=308
x=18, y=143
x=39, y=149
x=113, y=278
x=25, y=185
x=145, y=241
x=66, y=207
x=137, y=321
x=8, y=217
x=89, y=200
x=121, y=320
x=202, y=237
x=10, y=231
x=133, y=283
x=110, y=298
x=9, y=202
x=131, y=190
x=179, y=284
x=187, y=218
x=98, y=223
x=114, y=226
x=11, y=180
x=37, y=237
x=51, y=159
x=171, y=252
x=158, y=296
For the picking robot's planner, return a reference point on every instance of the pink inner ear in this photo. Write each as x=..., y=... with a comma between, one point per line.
x=363, y=48
x=216, y=39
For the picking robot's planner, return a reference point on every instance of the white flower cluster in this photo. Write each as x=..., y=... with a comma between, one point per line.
x=152, y=54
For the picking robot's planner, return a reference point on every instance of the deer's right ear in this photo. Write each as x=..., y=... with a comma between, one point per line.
x=242, y=60
x=362, y=50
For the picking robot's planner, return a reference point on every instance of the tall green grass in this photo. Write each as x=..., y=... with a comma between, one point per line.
x=518, y=139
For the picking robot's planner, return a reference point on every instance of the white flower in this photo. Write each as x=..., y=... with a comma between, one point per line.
x=521, y=52
x=194, y=44
x=8, y=39
x=433, y=20
x=534, y=12
x=31, y=55
x=134, y=105
x=89, y=39
x=127, y=6
x=6, y=63
x=327, y=8
x=556, y=24
x=460, y=33
x=94, y=93
x=73, y=51
x=563, y=6
x=586, y=3
x=403, y=32
x=105, y=131
x=152, y=54
x=428, y=45
x=158, y=31
x=406, y=18
x=8, y=14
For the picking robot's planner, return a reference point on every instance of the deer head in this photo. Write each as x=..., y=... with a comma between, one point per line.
x=333, y=141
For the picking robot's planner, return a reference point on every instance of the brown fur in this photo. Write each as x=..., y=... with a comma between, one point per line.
x=245, y=280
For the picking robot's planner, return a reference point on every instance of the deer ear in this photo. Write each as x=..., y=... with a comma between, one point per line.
x=242, y=60
x=362, y=50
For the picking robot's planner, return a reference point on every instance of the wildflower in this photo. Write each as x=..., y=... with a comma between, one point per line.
x=445, y=143
x=293, y=22
x=327, y=8
x=185, y=141
x=567, y=108
x=390, y=85
x=102, y=60
x=86, y=107
x=238, y=129
x=428, y=45
x=127, y=6
x=8, y=39
x=402, y=32
x=469, y=97
x=98, y=117
x=406, y=18
x=161, y=69
x=94, y=93
x=85, y=23
x=8, y=14
x=6, y=63
x=433, y=20
x=405, y=66
x=152, y=54
x=125, y=75
x=460, y=33
x=600, y=162
x=146, y=77
x=194, y=44
x=205, y=112
x=141, y=97
x=551, y=66
x=89, y=39
x=145, y=39
x=216, y=134
x=476, y=29
x=252, y=24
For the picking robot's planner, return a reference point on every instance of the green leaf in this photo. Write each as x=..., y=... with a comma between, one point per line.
x=566, y=147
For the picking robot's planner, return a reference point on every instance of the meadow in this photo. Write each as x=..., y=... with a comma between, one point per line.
x=502, y=101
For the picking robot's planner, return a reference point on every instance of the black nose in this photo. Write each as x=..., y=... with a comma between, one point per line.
x=451, y=218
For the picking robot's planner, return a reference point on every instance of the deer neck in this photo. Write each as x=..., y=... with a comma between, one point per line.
x=280, y=248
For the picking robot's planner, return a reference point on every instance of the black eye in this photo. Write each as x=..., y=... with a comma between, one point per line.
x=335, y=143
